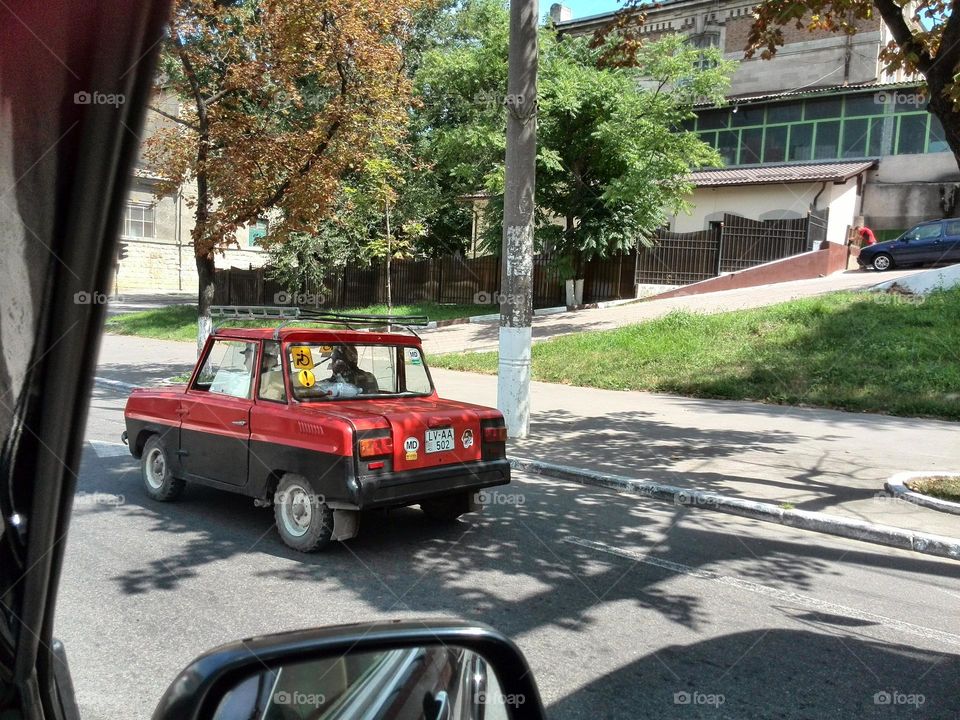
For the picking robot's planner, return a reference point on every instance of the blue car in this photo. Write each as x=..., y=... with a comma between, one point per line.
x=934, y=241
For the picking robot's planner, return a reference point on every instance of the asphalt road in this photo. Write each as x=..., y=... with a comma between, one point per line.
x=624, y=608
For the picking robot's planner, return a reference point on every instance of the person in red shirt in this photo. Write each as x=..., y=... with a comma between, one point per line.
x=866, y=235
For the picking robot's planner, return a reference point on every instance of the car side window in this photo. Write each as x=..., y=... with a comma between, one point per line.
x=271, y=373
x=952, y=228
x=228, y=369
x=927, y=232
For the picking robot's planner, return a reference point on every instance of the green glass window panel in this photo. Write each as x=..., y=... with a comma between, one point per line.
x=713, y=120
x=710, y=138
x=745, y=116
x=912, y=134
x=867, y=104
x=751, y=145
x=877, y=146
x=828, y=140
x=907, y=100
x=937, y=140
x=775, y=144
x=801, y=142
x=727, y=143
x=784, y=112
x=855, y=138
x=822, y=108
x=687, y=125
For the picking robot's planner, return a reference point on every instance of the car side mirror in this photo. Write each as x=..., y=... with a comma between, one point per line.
x=434, y=670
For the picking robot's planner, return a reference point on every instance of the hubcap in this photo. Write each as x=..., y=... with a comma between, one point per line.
x=881, y=263
x=156, y=468
x=296, y=510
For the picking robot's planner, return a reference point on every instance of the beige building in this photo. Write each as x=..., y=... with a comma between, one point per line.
x=156, y=231
x=796, y=127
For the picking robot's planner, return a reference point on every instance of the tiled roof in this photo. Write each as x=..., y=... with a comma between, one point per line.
x=767, y=174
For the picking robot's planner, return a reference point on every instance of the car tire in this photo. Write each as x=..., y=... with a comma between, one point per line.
x=881, y=262
x=447, y=508
x=157, y=471
x=304, y=520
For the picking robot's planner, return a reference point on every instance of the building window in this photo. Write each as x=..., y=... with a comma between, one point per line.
x=139, y=221
x=256, y=231
x=840, y=127
x=912, y=136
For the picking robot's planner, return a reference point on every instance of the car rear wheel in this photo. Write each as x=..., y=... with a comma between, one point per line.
x=882, y=262
x=304, y=520
x=447, y=508
x=157, y=472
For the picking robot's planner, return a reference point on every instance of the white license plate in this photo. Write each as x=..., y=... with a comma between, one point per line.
x=440, y=440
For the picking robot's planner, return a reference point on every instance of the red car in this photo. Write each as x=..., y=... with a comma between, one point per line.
x=321, y=424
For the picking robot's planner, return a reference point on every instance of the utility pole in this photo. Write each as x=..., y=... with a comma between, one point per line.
x=516, y=284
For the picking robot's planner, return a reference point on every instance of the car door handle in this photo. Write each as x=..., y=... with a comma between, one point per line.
x=238, y=422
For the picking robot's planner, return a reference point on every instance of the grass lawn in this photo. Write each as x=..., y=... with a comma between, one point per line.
x=943, y=487
x=853, y=351
x=179, y=322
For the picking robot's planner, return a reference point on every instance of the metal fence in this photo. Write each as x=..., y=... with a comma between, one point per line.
x=673, y=259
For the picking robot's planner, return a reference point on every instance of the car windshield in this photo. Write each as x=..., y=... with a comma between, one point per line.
x=322, y=372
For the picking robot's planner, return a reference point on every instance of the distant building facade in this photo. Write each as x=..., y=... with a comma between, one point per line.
x=818, y=127
x=157, y=231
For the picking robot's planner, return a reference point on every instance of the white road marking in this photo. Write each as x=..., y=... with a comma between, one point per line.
x=771, y=592
x=109, y=449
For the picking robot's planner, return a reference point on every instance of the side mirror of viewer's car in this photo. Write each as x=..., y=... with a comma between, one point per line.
x=434, y=670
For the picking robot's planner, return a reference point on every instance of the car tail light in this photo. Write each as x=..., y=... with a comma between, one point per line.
x=494, y=434
x=374, y=447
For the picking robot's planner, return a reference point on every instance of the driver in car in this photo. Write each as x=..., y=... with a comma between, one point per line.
x=344, y=368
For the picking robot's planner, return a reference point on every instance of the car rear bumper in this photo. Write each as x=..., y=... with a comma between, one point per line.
x=409, y=488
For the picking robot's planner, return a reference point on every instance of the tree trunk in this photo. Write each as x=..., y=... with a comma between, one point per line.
x=389, y=254
x=941, y=106
x=205, y=271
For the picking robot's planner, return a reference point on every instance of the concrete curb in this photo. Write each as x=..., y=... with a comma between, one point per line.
x=897, y=486
x=118, y=384
x=936, y=545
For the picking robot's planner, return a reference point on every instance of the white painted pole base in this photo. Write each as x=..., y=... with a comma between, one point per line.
x=513, y=383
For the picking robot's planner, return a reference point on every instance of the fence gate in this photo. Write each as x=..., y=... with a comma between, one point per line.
x=745, y=242
x=678, y=258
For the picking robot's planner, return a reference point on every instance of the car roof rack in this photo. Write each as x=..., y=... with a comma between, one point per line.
x=289, y=315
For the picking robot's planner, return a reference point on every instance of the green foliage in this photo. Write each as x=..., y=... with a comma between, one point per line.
x=612, y=161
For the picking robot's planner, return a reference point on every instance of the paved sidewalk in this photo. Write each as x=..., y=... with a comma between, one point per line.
x=473, y=337
x=813, y=459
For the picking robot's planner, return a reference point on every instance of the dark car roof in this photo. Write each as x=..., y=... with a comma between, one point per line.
x=319, y=335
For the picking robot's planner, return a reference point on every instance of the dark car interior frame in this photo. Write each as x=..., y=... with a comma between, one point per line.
x=64, y=167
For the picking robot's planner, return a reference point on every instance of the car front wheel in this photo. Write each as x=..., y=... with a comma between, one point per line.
x=304, y=520
x=157, y=472
x=882, y=262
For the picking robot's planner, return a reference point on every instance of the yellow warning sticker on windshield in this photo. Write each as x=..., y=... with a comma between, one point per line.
x=302, y=358
x=326, y=349
x=306, y=378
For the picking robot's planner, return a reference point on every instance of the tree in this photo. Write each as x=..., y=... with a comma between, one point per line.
x=613, y=161
x=280, y=101
x=926, y=40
